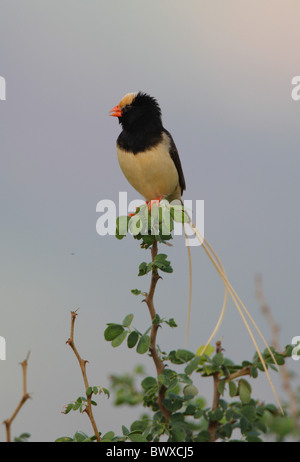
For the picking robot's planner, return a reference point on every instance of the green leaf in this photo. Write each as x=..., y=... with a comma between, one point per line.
x=217, y=414
x=184, y=355
x=107, y=437
x=127, y=320
x=192, y=365
x=106, y=392
x=156, y=319
x=208, y=352
x=125, y=430
x=64, y=439
x=112, y=331
x=149, y=382
x=68, y=408
x=136, y=291
x=227, y=429
x=89, y=391
x=202, y=437
x=132, y=339
x=79, y=437
x=137, y=438
x=171, y=322
x=143, y=345
x=244, y=391
x=218, y=360
x=144, y=268
x=249, y=412
x=119, y=339
x=95, y=390
x=122, y=226
x=233, y=389
x=190, y=390
x=178, y=433
x=190, y=409
x=221, y=387
x=253, y=372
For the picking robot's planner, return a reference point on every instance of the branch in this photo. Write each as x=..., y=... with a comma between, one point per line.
x=82, y=364
x=24, y=398
x=153, y=350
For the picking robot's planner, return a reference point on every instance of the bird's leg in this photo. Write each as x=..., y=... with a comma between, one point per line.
x=154, y=201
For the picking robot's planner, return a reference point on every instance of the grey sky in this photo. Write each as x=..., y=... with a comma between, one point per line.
x=222, y=73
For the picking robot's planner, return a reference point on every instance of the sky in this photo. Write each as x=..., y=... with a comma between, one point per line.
x=222, y=73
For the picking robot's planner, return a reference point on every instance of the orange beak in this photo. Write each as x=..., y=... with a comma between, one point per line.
x=116, y=111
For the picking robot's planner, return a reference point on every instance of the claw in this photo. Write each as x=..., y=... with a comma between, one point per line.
x=154, y=201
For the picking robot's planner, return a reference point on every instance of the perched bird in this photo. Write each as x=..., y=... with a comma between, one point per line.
x=146, y=151
x=150, y=161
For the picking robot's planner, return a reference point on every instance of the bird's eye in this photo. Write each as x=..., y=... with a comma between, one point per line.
x=126, y=108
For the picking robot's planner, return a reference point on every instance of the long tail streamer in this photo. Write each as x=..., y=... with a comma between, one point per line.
x=236, y=299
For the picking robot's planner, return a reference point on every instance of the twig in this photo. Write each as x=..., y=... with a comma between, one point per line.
x=82, y=364
x=153, y=350
x=285, y=376
x=24, y=398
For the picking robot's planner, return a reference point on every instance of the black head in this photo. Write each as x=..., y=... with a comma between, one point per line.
x=139, y=112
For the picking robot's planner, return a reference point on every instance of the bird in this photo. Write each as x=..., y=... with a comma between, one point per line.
x=149, y=159
x=146, y=151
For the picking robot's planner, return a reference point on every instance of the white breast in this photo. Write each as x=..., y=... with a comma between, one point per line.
x=152, y=173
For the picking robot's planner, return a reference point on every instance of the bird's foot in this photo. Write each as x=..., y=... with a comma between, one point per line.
x=132, y=214
x=154, y=201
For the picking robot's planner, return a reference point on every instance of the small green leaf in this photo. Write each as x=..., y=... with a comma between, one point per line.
x=64, y=439
x=68, y=408
x=136, y=292
x=249, y=412
x=221, y=387
x=144, y=268
x=144, y=344
x=218, y=360
x=149, y=382
x=190, y=390
x=156, y=319
x=76, y=406
x=208, y=352
x=132, y=339
x=119, y=339
x=95, y=390
x=89, y=391
x=217, y=414
x=137, y=438
x=107, y=437
x=184, y=355
x=233, y=389
x=193, y=364
x=79, y=437
x=125, y=430
x=127, y=320
x=244, y=391
x=122, y=226
x=178, y=433
x=106, y=392
x=112, y=331
x=253, y=372
x=171, y=322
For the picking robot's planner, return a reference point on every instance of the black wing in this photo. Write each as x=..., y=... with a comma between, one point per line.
x=175, y=156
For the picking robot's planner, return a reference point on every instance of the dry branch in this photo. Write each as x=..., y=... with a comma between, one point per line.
x=23, y=400
x=82, y=364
